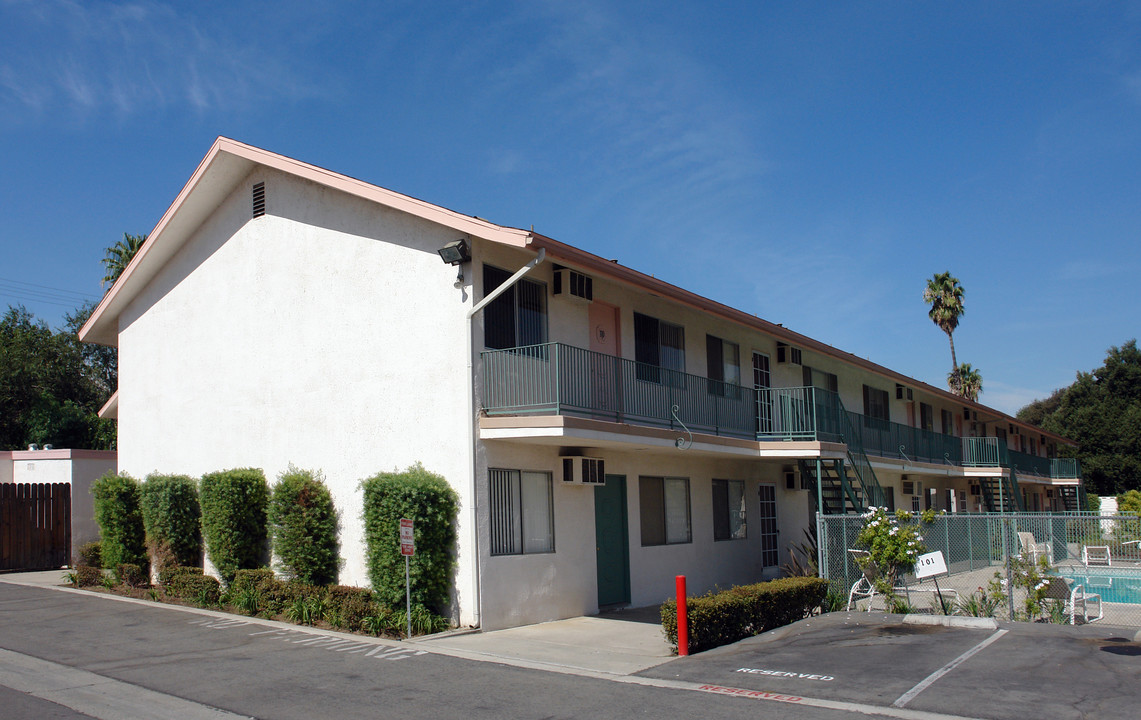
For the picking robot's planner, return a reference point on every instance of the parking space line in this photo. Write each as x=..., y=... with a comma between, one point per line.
x=927, y=681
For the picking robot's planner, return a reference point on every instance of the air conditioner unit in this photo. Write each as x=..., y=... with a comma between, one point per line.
x=908, y=487
x=788, y=354
x=573, y=285
x=584, y=471
x=904, y=393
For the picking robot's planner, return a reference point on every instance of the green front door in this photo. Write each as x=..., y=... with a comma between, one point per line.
x=612, y=541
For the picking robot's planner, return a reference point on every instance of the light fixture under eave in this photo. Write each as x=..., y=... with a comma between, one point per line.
x=455, y=253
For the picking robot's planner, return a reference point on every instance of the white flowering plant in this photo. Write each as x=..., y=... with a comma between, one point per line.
x=894, y=543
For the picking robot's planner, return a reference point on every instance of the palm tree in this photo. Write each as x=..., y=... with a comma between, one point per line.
x=945, y=296
x=970, y=382
x=119, y=256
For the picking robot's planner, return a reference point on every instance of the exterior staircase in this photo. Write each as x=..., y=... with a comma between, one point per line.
x=843, y=486
x=1001, y=494
x=1069, y=495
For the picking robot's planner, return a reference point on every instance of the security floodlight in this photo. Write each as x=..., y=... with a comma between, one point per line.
x=456, y=252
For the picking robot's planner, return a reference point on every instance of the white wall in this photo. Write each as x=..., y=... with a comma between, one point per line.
x=520, y=589
x=326, y=334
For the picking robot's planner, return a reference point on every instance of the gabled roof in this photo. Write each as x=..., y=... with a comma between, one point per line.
x=229, y=162
x=226, y=165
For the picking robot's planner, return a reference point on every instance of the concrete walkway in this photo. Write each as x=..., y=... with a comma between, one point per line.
x=622, y=642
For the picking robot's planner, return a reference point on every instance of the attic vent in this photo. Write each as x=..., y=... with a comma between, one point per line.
x=259, y=199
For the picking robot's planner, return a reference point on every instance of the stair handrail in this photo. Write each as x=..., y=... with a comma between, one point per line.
x=869, y=484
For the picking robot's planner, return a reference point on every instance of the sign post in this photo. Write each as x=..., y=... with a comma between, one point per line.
x=930, y=565
x=407, y=549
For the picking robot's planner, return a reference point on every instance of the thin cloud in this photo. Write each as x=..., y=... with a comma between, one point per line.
x=129, y=58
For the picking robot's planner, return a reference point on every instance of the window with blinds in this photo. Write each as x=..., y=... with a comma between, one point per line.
x=522, y=512
x=516, y=318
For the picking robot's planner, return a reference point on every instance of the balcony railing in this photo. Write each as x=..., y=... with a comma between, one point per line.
x=558, y=379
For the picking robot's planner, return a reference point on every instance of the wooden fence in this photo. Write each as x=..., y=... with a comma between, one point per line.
x=35, y=526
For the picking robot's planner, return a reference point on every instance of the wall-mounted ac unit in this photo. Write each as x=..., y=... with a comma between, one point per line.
x=583, y=471
x=904, y=393
x=573, y=285
x=788, y=354
x=908, y=487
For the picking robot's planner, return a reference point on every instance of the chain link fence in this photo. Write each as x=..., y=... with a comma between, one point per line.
x=1098, y=556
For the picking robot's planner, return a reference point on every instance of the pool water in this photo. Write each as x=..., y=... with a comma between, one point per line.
x=1114, y=585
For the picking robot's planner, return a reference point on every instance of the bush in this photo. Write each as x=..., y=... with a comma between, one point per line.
x=303, y=523
x=428, y=500
x=132, y=575
x=234, y=519
x=347, y=607
x=721, y=618
x=120, y=520
x=88, y=576
x=90, y=554
x=172, y=518
x=188, y=583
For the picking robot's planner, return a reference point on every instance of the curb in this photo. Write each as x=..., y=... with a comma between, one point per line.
x=977, y=623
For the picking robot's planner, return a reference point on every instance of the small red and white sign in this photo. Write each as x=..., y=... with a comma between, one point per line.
x=407, y=545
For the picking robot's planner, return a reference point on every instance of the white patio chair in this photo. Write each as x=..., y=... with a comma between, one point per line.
x=1033, y=550
x=1096, y=555
x=1076, y=602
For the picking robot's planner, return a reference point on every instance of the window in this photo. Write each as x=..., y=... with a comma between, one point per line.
x=948, y=422
x=516, y=318
x=522, y=513
x=658, y=346
x=762, y=381
x=926, y=417
x=664, y=507
x=875, y=405
x=820, y=379
x=728, y=509
x=724, y=365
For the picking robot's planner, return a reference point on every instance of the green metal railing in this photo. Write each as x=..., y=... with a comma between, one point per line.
x=558, y=379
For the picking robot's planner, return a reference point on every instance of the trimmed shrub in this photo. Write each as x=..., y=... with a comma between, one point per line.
x=428, y=500
x=90, y=554
x=88, y=576
x=172, y=519
x=303, y=523
x=234, y=519
x=132, y=575
x=347, y=607
x=120, y=520
x=721, y=618
x=188, y=583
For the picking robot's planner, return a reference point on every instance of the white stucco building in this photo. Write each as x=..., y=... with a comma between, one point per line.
x=605, y=431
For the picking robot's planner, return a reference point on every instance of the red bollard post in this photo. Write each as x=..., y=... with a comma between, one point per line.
x=682, y=620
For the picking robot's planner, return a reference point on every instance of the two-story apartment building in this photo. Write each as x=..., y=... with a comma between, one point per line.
x=605, y=430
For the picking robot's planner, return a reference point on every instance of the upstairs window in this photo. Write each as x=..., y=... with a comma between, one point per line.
x=948, y=419
x=659, y=349
x=875, y=405
x=926, y=417
x=516, y=318
x=820, y=379
x=724, y=360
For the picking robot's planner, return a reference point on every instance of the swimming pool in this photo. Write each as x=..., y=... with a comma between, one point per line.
x=1116, y=585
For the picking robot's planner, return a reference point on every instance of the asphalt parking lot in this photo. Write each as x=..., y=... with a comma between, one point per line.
x=1007, y=670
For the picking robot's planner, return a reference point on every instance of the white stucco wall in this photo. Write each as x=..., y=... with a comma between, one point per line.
x=326, y=334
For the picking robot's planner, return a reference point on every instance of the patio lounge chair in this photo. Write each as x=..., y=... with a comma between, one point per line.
x=1033, y=550
x=865, y=587
x=1096, y=555
x=1136, y=546
x=1076, y=602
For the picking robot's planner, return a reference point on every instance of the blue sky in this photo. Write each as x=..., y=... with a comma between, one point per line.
x=811, y=162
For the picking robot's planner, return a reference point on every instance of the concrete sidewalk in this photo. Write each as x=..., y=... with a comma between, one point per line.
x=622, y=642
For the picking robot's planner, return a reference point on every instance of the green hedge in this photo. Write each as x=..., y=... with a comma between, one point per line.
x=428, y=500
x=188, y=583
x=303, y=523
x=721, y=618
x=234, y=519
x=172, y=518
x=120, y=520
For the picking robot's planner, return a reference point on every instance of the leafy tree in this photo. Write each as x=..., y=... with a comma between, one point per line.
x=119, y=256
x=49, y=393
x=970, y=382
x=1101, y=411
x=945, y=296
x=1129, y=502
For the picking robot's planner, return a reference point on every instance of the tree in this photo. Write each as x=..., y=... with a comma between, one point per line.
x=945, y=296
x=119, y=256
x=970, y=382
x=48, y=393
x=1101, y=411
